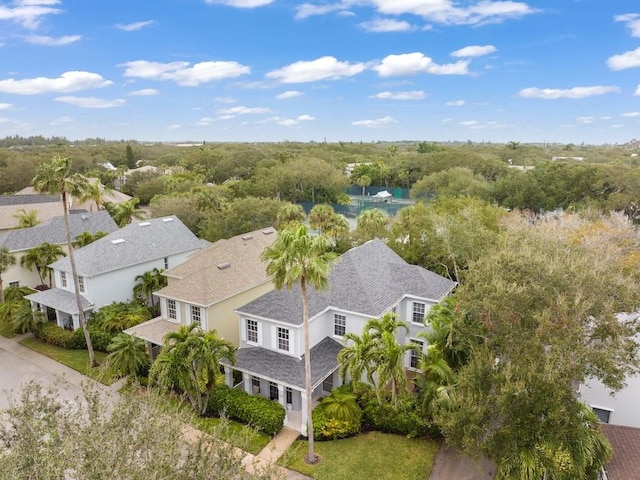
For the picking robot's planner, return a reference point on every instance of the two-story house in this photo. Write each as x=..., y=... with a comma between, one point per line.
x=53, y=231
x=208, y=287
x=107, y=267
x=366, y=282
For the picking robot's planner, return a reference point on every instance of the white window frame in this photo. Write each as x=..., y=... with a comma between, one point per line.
x=280, y=337
x=196, y=315
x=417, y=306
x=81, y=286
x=609, y=411
x=172, y=309
x=339, y=322
x=414, y=355
x=255, y=385
x=274, y=392
x=250, y=331
x=63, y=280
x=14, y=284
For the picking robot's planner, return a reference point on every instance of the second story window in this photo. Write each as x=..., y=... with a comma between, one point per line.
x=81, y=284
x=171, y=309
x=283, y=339
x=63, y=279
x=196, y=315
x=416, y=354
x=418, y=312
x=252, y=331
x=339, y=325
x=166, y=263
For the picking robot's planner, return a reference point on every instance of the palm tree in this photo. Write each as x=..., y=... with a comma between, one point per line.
x=7, y=259
x=190, y=361
x=24, y=319
x=341, y=406
x=41, y=257
x=26, y=219
x=364, y=181
x=125, y=212
x=388, y=357
x=355, y=359
x=288, y=214
x=127, y=355
x=319, y=217
x=435, y=375
x=55, y=177
x=149, y=282
x=85, y=238
x=94, y=193
x=298, y=258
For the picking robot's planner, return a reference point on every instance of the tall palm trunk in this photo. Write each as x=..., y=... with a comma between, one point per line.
x=311, y=458
x=76, y=284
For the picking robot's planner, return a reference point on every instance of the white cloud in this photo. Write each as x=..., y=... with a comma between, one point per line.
x=455, y=103
x=67, y=82
x=476, y=125
x=175, y=126
x=629, y=59
x=411, y=95
x=184, y=74
x=52, y=41
x=378, y=122
x=61, y=120
x=241, y=3
x=131, y=27
x=630, y=114
x=242, y=110
x=91, y=102
x=289, y=94
x=575, y=92
x=637, y=92
x=145, y=92
x=632, y=21
x=474, y=51
x=323, y=68
x=617, y=125
x=305, y=118
x=29, y=13
x=308, y=10
x=585, y=120
x=224, y=100
x=5, y=106
x=416, y=62
x=288, y=122
x=386, y=25
x=204, y=121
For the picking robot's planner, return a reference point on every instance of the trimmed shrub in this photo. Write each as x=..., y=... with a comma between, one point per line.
x=325, y=428
x=259, y=412
x=54, y=335
x=402, y=419
x=73, y=340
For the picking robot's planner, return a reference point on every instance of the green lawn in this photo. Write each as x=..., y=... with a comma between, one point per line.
x=6, y=330
x=373, y=455
x=76, y=359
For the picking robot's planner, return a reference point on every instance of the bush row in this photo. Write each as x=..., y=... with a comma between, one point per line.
x=73, y=340
x=259, y=412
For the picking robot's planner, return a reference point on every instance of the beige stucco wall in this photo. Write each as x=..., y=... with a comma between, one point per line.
x=26, y=277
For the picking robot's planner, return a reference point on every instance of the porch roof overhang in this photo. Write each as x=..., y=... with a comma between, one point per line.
x=153, y=330
x=288, y=370
x=59, y=299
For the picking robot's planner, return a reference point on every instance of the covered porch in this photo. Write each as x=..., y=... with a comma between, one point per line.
x=60, y=306
x=153, y=332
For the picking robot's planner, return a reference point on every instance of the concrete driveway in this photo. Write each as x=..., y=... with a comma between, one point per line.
x=451, y=465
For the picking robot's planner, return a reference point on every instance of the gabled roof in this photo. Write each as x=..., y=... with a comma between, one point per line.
x=625, y=441
x=46, y=210
x=27, y=198
x=60, y=299
x=136, y=243
x=369, y=279
x=221, y=270
x=53, y=230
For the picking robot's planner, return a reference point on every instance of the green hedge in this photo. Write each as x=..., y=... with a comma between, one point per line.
x=259, y=412
x=325, y=428
x=402, y=418
x=73, y=340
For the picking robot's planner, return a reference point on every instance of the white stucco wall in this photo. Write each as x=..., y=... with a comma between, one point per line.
x=623, y=405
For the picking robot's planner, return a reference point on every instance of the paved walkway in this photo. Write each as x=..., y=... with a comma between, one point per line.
x=450, y=465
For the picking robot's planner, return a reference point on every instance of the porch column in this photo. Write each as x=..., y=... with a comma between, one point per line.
x=246, y=379
x=303, y=420
x=228, y=376
x=282, y=400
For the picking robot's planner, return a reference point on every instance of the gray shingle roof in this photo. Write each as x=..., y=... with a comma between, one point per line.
x=59, y=299
x=27, y=199
x=369, y=279
x=136, y=243
x=53, y=230
x=289, y=370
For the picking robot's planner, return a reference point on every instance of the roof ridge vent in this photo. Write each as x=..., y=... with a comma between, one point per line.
x=167, y=220
x=223, y=265
x=117, y=241
x=247, y=237
x=144, y=224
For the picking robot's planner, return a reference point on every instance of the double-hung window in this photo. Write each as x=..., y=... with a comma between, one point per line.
x=283, y=339
x=273, y=391
x=252, y=331
x=196, y=315
x=81, y=284
x=418, y=312
x=339, y=325
x=414, y=360
x=172, y=313
x=63, y=279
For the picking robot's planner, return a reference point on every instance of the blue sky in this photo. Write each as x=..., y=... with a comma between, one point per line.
x=272, y=70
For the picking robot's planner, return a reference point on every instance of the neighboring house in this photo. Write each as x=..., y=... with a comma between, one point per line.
x=208, y=287
x=52, y=231
x=107, y=267
x=620, y=408
x=625, y=463
x=366, y=282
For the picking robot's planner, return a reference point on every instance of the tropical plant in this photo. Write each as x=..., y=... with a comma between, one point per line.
x=24, y=319
x=297, y=258
x=435, y=375
x=7, y=259
x=341, y=406
x=40, y=258
x=85, y=238
x=289, y=213
x=320, y=216
x=190, y=361
x=117, y=317
x=26, y=219
x=127, y=355
x=95, y=194
x=147, y=283
x=354, y=358
x=55, y=177
x=123, y=213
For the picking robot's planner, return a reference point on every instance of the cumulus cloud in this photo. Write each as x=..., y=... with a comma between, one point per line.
x=323, y=68
x=145, y=92
x=630, y=114
x=386, y=25
x=241, y=3
x=477, y=125
x=5, y=106
x=175, y=126
x=415, y=63
x=375, y=123
x=242, y=110
x=224, y=100
x=29, y=13
x=204, y=121
x=631, y=21
x=52, y=41
x=308, y=9
x=629, y=59
x=474, y=51
x=91, y=102
x=455, y=103
x=411, y=95
x=288, y=122
x=585, y=120
x=132, y=27
x=289, y=94
x=67, y=82
x=575, y=92
x=183, y=73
